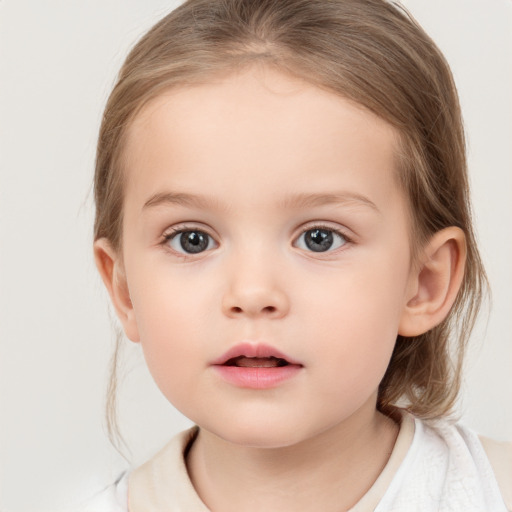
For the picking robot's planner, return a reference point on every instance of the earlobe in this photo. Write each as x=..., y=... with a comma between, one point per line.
x=435, y=283
x=112, y=273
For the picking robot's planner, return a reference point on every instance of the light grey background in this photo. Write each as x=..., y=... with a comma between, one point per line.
x=58, y=60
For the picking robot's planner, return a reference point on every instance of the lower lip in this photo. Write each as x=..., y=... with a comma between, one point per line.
x=257, y=378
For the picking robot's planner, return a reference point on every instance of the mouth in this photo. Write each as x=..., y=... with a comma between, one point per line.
x=257, y=362
x=250, y=355
x=256, y=366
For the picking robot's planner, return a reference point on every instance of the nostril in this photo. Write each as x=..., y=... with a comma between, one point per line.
x=266, y=309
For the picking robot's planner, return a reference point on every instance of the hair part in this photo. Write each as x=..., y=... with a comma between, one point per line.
x=371, y=52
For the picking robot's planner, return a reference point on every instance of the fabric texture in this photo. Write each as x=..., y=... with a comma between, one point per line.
x=434, y=466
x=112, y=499
x=446, y=470
x=500, y=456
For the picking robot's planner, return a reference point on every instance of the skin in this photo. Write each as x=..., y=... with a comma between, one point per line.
x=260, y=156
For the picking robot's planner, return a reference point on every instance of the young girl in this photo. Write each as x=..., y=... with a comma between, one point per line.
x=283, y=223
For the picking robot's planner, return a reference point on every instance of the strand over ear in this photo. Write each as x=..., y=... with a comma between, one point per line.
x=436, y=282
x=110, y=267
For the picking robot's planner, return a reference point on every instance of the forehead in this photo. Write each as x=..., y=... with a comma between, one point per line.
x=257, y=125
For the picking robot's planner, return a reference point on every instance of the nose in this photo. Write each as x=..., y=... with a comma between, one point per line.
x=254, y=290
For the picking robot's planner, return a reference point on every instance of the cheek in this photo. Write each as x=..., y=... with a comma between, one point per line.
x=165, y=299
x=364, y=297
x=170, y=320
x=354, y=319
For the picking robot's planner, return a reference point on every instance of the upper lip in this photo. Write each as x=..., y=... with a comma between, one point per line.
x=248, y=349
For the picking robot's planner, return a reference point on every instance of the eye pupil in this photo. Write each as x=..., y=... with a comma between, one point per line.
x=318, y=240
x=193, y=241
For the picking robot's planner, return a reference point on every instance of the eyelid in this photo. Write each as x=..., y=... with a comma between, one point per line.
x=324, y=225
x=334, y=227
x=173, y=231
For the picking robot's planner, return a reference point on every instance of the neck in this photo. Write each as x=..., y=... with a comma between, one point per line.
x=330, y=471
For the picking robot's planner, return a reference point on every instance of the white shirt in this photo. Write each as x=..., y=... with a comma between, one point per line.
x=434, y=466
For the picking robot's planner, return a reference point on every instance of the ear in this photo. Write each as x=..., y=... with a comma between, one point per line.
x=435, y=284
x=111, y=269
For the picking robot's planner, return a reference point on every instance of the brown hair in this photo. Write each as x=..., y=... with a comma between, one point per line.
x=369, y=51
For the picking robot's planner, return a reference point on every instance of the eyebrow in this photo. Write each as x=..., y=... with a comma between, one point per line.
x=342, y=198
x=303, y=200
x=182, y=199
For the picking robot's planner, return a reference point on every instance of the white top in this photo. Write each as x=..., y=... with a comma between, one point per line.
x=434, y=466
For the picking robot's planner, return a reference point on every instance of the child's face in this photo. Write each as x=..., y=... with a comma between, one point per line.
x=295, y=237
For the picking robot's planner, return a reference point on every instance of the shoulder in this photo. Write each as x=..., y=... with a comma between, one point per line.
x=445, y=468
x=163, y=481
x=159, y=484
x=113, y=498
x=488, y=462
x=500, y=457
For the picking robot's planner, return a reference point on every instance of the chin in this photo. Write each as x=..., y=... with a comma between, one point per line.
x=263, y=440
x=259, y=434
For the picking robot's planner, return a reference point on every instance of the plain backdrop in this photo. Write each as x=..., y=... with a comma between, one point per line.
x=58, y=61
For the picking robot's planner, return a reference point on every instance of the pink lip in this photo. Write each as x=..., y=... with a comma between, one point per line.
x=255, y=377
x=253, y=350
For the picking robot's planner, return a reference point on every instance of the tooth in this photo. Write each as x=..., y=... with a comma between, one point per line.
x=257, y=362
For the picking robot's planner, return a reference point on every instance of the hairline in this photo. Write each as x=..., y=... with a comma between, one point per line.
x=225, y=70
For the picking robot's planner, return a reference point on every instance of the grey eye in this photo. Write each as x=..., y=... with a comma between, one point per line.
x=320, y=240
x=191, y=242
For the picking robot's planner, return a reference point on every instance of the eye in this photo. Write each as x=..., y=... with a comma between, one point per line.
x=190, y=241
x=320, y=240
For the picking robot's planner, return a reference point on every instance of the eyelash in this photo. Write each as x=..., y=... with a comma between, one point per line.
x=176, y=231
x=322, y=227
